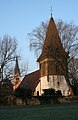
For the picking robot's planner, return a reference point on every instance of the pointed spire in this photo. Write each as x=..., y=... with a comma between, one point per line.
x=52, y=35
x=17, y=78
x=16, y=70
x=52, y=40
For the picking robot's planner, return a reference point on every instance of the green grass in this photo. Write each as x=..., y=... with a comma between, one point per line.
x=41, y=112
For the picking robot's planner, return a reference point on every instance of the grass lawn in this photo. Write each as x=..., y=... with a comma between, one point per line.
x=41, y=112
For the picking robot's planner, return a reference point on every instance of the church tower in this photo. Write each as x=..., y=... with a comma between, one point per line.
x=53, y=62
x=17, y=78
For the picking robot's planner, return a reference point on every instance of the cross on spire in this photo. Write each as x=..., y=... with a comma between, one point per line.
x=51, y=10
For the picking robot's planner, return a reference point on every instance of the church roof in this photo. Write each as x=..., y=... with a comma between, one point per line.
x=16, y=69
x=52, y=41
x=30, y=81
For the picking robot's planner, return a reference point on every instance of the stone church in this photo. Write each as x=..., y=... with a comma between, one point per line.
x=53, y=62
x=53, y=68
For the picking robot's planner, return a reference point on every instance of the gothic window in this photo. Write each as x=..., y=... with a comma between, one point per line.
x=50, y=68
x=57, y=68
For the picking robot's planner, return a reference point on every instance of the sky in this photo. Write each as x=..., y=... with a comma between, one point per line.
x=20, y=17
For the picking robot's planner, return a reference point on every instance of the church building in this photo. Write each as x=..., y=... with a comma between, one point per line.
x=53, y=68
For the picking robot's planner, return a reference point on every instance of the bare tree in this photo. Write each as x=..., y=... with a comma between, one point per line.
x=23, y=68
x=8, y=46
x=73, y=74
x=37, y=37
x=69, y=36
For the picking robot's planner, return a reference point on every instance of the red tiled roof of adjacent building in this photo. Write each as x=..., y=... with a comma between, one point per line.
x=30, y=81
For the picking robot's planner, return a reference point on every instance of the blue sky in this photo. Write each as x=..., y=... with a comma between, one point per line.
x=20, y=17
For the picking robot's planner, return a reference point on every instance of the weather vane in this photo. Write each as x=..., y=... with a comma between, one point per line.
x=51, y=10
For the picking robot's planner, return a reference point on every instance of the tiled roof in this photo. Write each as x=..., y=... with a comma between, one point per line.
x=30, y=81
x=52, y=41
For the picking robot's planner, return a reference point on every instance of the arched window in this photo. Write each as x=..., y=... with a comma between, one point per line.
x=57, y=68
